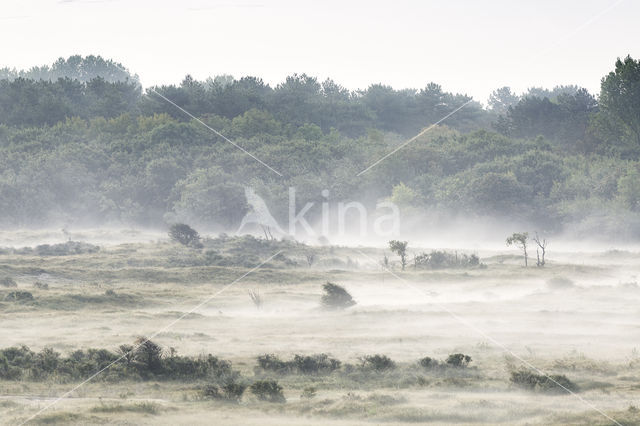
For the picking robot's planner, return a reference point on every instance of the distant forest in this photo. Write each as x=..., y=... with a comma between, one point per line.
x=81, y=143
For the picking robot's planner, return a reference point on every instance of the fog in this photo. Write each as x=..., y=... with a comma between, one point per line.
x=577, y=314
x=342, y=244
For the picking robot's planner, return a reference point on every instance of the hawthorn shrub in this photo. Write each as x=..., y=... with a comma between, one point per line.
x=336, y=297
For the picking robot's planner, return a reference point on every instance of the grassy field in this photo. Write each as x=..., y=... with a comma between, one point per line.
x=577, y=317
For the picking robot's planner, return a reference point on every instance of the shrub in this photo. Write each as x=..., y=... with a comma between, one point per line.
x=458, y=360
x=8, y=282
x=186, y=368
x=270, y=362
x=41, y=285
x=133, y=364
x=336, y=297
x=378, y=362
x=233, y=391
x=268, y=390
x=537, y=382
x=19, y=296
x=428, y=362
x=230, y=391
x=185, y=235
x=315, y=364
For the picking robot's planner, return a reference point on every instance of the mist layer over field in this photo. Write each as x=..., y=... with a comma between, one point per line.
x=576, y=316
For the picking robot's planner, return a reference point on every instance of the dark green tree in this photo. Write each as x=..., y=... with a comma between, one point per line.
x=400, y=248
x=620, y=95
x=519, y=239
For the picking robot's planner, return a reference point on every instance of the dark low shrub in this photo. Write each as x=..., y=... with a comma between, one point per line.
x=270, y=362
x=303, y=364
x=526, y=379
x=230, y=391
x=268, y=390
x=185, y=235
x=377, y=362
x=336, y=297
x=428, y=362
x=146, y=361
x=458, y=360
x=315, y=364
x=18, y=296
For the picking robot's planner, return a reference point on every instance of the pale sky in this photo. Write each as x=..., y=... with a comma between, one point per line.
x=466, y=46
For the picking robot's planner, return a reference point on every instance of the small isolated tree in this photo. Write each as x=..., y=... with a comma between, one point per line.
x=256, y=298
x=541, y=249
x=400, y=248
x=520, y=241
x=185, y=235
x=311, y=258
x=385, y=262
x=336, y=297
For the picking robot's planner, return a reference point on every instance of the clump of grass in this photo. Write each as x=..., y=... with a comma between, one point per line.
x=540, y=383
x=336, y=297
x=268, y=390
x=57, y=418
x=142, y=407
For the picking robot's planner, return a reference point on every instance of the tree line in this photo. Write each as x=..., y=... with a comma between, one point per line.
x=92, y=146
